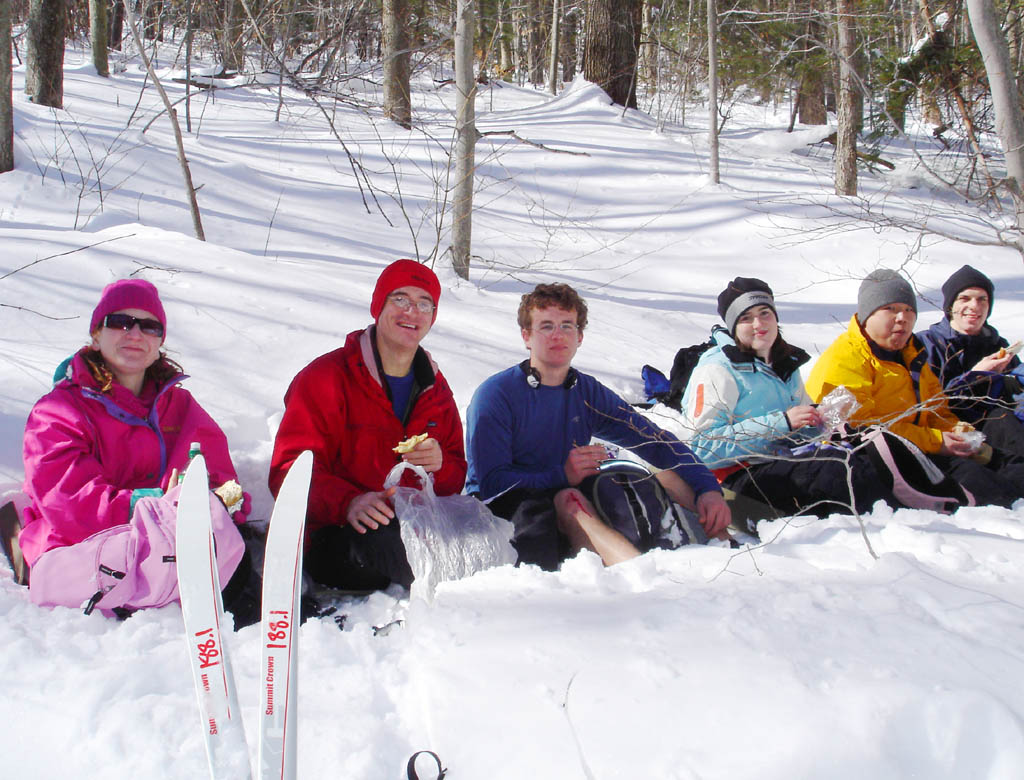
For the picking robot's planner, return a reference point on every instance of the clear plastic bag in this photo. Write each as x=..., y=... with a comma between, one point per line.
x=838, y=407
x=974, y=438
x=446, y=537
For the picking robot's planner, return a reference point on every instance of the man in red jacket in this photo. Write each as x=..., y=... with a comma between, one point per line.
x=352, y=407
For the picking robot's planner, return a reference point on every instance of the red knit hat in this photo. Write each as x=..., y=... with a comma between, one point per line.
x=128, y=294
x=399, y=274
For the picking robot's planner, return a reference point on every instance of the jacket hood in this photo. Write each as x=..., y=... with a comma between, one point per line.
x=423, y=364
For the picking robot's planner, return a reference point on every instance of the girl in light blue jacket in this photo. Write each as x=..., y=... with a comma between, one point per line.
x=749, y=415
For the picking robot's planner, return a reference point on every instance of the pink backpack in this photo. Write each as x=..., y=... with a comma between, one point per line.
x=130, y=566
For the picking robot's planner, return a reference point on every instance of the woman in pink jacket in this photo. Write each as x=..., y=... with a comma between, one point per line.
x=115, y=428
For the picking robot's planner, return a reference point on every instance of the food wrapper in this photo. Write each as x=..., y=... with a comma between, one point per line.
x=838, y=407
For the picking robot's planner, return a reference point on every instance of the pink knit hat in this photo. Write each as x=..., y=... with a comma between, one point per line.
x=399, y=274
x=128, y=294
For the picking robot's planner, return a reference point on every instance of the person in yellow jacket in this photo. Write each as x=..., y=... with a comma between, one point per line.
x=885, y=366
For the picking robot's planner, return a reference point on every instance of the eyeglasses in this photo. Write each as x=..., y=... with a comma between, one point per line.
x=127, y=322
x=549, y=328
x=405, y=303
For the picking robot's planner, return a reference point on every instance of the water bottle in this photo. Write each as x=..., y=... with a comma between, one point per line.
x=193, y=450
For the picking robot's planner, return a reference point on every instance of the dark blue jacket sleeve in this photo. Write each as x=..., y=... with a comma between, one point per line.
x=618, y=422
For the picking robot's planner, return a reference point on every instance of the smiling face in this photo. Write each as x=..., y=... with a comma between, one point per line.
x=891, y=326
x=756, y=330
x=552, y=338
x=128, y=353
x=400, y=332
x=969, y=311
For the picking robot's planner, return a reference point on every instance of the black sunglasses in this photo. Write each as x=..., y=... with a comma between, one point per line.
x=127, y=322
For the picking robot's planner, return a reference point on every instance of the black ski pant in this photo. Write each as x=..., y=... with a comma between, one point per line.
x=536, y=537
x=814, y=484
x=992, y=484
x=1004, y=432
x=340, y=557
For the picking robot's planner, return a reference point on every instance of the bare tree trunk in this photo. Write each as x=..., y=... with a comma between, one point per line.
x=713, y=91
x=234, y=54
x=1009, y=116
x=44, y=57
x=6, y=95
x=811, y=98
x=115, y=26
x=465, y=137
x=535, y=45
x=98, y=36
x=684, y=87
x=553, y=63
x=153, y=12
x=611, y=47
x=648, y=49
x=188, y=66
x=846, y=136
x=397, y=98
x=506, y=63
x=190, y=191
x=570, y=25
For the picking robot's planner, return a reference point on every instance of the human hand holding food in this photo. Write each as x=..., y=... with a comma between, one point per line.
x=427, y=454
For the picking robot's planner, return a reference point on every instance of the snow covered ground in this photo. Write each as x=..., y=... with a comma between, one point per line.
x=801, y=658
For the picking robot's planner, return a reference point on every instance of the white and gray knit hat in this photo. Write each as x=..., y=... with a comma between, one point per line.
x=740, y=294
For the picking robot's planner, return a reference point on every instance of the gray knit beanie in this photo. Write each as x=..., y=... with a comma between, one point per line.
x=880, y=288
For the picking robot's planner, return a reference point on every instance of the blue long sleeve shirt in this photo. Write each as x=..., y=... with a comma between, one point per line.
x=519, y=436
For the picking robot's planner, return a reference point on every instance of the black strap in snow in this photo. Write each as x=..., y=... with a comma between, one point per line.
x=410, y=768
x=90, y=605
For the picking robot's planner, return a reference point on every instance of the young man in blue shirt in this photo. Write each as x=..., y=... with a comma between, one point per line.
x=529, y=434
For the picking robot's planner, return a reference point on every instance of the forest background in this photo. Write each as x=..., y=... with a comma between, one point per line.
x=868, y=61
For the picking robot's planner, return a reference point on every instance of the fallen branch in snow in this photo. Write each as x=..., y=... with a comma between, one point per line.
x=871, y=158
x=33, y=311
x=62, y=254
x=513, y=134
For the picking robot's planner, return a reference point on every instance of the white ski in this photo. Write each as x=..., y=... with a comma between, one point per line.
x=282, y=590
x=203, y=613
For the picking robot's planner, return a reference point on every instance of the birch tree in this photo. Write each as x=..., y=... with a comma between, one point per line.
x=1009, y=118
x=713, y=91
x=553, y=62
x=465, y=137
x=846, y=135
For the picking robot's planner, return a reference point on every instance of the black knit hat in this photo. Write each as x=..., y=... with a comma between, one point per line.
x=740, y=294
x=880, y=288
x=960, y=281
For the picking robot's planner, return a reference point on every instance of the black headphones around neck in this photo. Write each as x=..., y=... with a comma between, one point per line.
x=533, y=376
